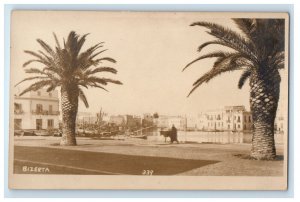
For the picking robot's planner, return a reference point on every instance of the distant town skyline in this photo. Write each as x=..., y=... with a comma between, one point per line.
x=150, y=58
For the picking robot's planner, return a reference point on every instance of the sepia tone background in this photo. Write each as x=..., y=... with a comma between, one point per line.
x=151, y=50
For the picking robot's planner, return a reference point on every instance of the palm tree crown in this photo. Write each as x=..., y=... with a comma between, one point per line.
x=67, y=66
x=260, y=48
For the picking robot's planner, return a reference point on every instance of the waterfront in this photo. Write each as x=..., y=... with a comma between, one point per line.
x=212, y=137
x=132, y=155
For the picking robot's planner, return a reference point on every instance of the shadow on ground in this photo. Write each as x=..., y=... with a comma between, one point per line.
x=100, y=162
x=247, y=156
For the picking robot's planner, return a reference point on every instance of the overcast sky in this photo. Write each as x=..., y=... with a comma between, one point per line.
x=150, y=49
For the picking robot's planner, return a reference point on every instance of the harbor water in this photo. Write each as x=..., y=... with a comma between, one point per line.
x=211, y=137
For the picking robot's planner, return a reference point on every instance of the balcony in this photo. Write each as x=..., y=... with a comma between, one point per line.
x=44, y=112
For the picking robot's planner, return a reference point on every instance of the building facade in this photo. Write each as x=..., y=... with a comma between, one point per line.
x=86, y=118
x=36, y=111
x=118, y=120
x=229, y=118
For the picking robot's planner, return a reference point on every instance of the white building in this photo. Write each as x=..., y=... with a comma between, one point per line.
x=86, y=118
x=36, y=110
x=237, y=118
x=230, y=118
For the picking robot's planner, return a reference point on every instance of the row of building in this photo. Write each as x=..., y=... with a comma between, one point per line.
x=229, y=118
x=40, y=110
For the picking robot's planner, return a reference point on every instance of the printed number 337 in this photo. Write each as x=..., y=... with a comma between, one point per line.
x=147, y=172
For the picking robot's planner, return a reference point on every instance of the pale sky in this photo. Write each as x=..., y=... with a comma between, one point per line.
x=151, y=49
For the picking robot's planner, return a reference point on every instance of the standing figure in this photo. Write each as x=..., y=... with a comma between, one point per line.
x=174, y=134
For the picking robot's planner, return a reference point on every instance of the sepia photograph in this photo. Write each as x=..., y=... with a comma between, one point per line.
x=148, y=100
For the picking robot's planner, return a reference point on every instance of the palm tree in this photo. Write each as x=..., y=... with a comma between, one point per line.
x=259, y=52
x=71, y=70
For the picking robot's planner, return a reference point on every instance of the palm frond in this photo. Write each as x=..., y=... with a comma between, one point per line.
x=53, y=85
x=87, y=53
x=223, y=67
x=215, y=42
x=83, y=97
x=93, y=80
x=35, y=54
x=46, y=57
x=98, y=53
x=101, y=69
x=246, y=25
x=80, y=43
x=46, y=47
x=245, y=75
x=280, y=65
x=36, y=86
x=74, y=43
x=228, y=36
x=105, y=59
x=35, y=71
x=31, y=78
x=98, y=86
x=209, y=55
x=56, y=41
x=31, y=61
x=112, y=81
x=234, y=58
x=276, y=59
x=85, y=59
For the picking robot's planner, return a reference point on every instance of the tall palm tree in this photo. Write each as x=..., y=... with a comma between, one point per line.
x=71, y=70
x=259, y=52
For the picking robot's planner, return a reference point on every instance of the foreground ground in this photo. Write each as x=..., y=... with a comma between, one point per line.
x=137, y=157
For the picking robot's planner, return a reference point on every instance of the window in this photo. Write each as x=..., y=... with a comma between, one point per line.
x=39, y=124
x=228, y=126
x=18, y=124
x=245, y=118
x=239, y=126
x=249, y=118
x=50, y=123
x=50, y=108
x=245, y=127
x=39, y=93
x=39, y=108
x=239, y=119
x=18, y=108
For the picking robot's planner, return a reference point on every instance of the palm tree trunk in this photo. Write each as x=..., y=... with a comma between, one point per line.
x=264, y=96
x=69, y=105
